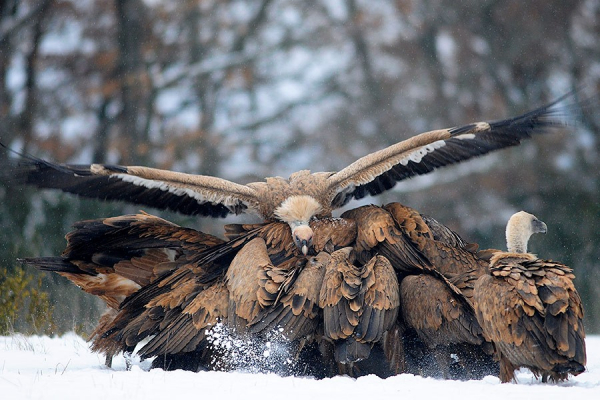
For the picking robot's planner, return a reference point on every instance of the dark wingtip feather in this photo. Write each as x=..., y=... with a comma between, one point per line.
x=562, y=112
x=80, y=180
x=53, y=264
x=477, y=139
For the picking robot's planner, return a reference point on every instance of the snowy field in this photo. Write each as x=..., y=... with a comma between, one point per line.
x=38, y=367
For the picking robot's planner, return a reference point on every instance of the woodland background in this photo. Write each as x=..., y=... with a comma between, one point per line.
x=244, y=89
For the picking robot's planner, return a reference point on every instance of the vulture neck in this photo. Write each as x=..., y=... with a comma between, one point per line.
x=517, y=236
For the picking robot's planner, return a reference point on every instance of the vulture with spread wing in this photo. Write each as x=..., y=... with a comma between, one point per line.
x=530, y=309
x=304, y=195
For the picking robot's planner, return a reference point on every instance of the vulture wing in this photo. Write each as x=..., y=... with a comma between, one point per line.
x=185, y=330
x=445, y=322
x=445, y=250
x=377, y=232
x=297, y=311
x=360, y=303
x=176, y=318
x=114, y=257
x=331, y=234
x=421, y=154
x=253, y=282
x=184, y=193
x=438, y=311
x=382, y=302
x=147, y=311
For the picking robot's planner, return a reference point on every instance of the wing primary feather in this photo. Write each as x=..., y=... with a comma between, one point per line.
x=421, y=154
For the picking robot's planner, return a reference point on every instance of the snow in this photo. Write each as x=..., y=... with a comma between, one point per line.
x=40, y=367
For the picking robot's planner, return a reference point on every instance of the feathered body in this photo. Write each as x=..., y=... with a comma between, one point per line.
x=530, y=309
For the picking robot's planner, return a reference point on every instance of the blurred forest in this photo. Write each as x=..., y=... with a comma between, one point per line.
x=244, y=89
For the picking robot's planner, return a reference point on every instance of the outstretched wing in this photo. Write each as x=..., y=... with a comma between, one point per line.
x=184, y=193
x=421, y=154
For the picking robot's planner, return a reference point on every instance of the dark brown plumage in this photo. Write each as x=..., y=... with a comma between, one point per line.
x=257, y=282
x=436, y=284
x=378, y=233
x=113, y=258
x=254, y=283
x=530, y=309
x=444, y=320
x=443, y=248
x=235, y=282
x=360, y=303
x=297, y=312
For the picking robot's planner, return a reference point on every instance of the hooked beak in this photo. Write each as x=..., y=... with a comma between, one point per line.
x=539, y=226
x=304, y=247
x=303, y=238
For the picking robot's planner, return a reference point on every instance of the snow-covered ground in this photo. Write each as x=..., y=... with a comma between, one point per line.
x=39, y=367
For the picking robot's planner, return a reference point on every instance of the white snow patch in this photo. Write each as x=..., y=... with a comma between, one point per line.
x=274, y=354
x=39, y=367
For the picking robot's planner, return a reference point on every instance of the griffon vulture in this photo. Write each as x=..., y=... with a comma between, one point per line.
x=530, y=308
x=304, y=195
x=177, y=307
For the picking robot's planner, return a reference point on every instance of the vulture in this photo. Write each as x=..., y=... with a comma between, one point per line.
x=530, y=309
x=304, y=195
x=169, y=285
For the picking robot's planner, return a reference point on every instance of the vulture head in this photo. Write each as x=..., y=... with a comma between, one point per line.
x=297, y=211
x=519, y=229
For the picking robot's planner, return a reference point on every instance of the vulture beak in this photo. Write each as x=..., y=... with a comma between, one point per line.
x=303, y=235
x=539, y=226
